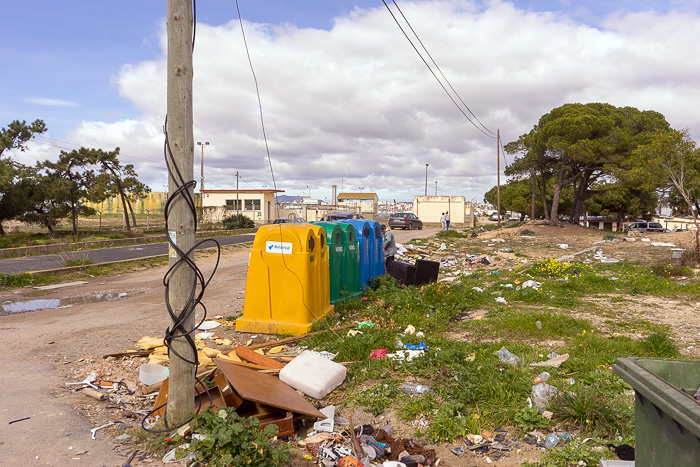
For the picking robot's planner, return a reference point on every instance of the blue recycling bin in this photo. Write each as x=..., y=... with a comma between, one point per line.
x=365, y=241
x=377, y=258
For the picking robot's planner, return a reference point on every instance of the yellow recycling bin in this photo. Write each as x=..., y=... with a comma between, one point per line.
x=287, y=288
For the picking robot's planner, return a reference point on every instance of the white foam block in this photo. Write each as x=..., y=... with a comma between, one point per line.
x=313, y=375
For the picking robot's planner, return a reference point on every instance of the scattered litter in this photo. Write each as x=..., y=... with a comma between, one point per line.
x=542, y=377
x=563, y=246
x=411, y=388
x=507, y=356
x=662, y=244
x=326, y=424
x=541, y=393
x=207, y=325
x=554, y=362
x=534, y=284
x=406, y=355
x=409, y=329
x=477, y=289
x=378, y=353
x=205, y=335
x=501, y=300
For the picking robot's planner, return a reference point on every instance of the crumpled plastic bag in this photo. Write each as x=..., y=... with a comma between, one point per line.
x=541, y=393
x=507, y=356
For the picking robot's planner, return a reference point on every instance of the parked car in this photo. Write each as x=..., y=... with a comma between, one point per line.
x=405, y=220
x=494, y=217
x=340, y=215
x=287, y=220
x=646, y=227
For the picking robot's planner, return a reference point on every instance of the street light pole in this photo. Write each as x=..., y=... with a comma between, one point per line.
x=435, y=187
x=201, y=170
x=426, y=179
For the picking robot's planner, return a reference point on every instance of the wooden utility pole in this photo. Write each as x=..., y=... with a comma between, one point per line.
x=498, y=165
x=181, y=219
x=238, y=202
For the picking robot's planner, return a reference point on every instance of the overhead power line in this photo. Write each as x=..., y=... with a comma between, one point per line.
x=481, y=127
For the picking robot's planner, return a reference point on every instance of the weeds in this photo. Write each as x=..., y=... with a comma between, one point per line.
x=527, y=232
x=592, y=411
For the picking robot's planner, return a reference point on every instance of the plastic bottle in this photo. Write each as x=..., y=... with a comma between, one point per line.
x=412, y=388
x=551, y=441
x=538, y=324
x=398, y=344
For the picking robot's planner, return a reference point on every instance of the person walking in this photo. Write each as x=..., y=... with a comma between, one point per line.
x=447, y=220
x=389, y=247
x=442, y=221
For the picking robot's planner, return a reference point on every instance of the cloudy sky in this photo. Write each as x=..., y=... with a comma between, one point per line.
x=346, y=99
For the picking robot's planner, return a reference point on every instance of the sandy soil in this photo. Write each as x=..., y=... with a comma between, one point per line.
x=43, y=350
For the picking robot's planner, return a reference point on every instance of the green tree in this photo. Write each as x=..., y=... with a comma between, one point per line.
x=579, y=144
x=71, y=178
x=671, y=160
x=117, y=180
x=14, y=190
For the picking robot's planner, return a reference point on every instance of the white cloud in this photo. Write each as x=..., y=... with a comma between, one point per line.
x=51, y=102
x=355, y=106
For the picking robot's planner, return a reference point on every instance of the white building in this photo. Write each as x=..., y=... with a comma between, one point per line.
x=367, y=202
x=259, y=205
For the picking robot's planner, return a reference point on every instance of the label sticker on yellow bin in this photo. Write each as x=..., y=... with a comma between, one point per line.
x=283, y=248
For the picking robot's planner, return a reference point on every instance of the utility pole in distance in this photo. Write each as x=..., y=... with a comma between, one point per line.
x=201, y=170
x=181, y=219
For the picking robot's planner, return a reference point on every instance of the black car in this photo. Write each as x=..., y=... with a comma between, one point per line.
x=289, y=220
x=340, y=215
x=405, y=220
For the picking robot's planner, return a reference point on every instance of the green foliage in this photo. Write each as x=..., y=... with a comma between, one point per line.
x=529, y=419
x=77, y=262
x=237, y=221
x=449, y=234
x=553, y=268
x=577, y=453
x=663, y=269
x=231, y=440
x=13, y=281
x=609, y=237
x=528, y=232
x=375, y=398
x=660, y=345
x=590, y=410
x=451, y=421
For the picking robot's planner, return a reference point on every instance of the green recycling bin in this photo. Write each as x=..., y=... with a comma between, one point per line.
x=336, y=248
x=351, y=270
x=667, y=419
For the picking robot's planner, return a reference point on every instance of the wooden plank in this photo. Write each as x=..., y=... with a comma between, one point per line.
x=291, y=340
x=265, y=389
x=254, y=357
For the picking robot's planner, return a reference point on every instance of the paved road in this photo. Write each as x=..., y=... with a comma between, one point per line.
x=109, y=255
x=103, y=255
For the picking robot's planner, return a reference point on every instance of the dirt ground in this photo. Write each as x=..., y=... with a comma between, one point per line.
x=48, y=423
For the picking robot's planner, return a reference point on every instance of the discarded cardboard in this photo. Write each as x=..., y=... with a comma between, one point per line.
x=265, y=389
x=553, y=362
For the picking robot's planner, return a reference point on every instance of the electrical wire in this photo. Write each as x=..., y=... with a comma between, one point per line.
x=269, y=159
x=438, y=68
x=489, y=133
x=257, y=91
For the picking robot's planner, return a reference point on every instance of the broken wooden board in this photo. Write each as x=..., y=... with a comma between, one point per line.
x=254, y=357
x=265, y=389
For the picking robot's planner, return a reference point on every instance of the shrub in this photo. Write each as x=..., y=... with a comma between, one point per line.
x=233, y=440
x=238, y=221
x=528, y=232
